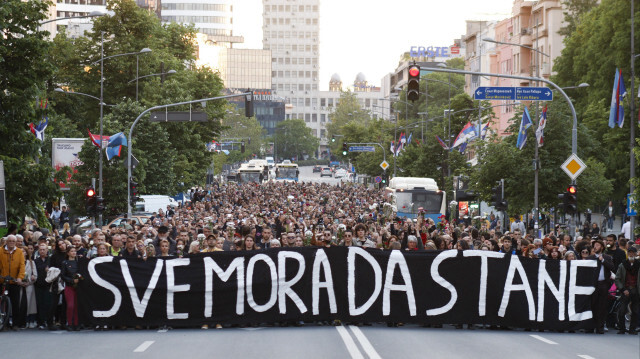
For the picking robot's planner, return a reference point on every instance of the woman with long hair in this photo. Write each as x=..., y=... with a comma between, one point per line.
x=249, y=244
x=71, y=278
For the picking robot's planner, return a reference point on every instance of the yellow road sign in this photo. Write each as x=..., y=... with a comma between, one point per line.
x=573, y=166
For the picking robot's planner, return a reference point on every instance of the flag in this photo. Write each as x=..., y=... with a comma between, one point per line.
x=409, y=139
x=441, y=142
x=38, y=130
x=616, y=114
x=463, y=147
x=468, y=133
x=96, y=139
x=393, y=148
x=485, y=130
x=540, y=130
x=524, y=126
x=114, y=146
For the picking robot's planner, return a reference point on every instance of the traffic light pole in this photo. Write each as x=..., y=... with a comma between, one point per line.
x=130, y=143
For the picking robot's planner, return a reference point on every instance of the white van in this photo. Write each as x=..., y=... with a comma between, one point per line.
x=152, y=203
x=270, y=161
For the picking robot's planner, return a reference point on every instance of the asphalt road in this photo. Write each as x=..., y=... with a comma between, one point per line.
x=377, y=341
x=307, y=175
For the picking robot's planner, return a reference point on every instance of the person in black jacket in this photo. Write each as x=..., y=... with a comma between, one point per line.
x=57, y=258
x=69, y=275
x=600, y=295
x=43, y=293
x=616, y=253
x=163, y=233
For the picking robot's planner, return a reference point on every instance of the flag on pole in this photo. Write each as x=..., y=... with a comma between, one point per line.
x=114, y=146
x=524, y=126
x=485, y=130
x=468, y=133
x=540, y=130
x=393, y=148
x=95, y=139
x=441, y=142
x=463, y=147
x=409, y=139
x=616, y=114
x=38, y=130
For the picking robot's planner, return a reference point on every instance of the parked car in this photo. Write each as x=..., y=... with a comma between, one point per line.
x=340, y=173
x=120, y=220
x=317, y=169
x=326, y=171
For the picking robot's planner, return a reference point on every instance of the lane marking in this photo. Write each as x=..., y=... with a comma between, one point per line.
x=144, y=346
x=350, y=344
x=585, y=356
x=163, y=330
x=544, y=340
x=365, y=343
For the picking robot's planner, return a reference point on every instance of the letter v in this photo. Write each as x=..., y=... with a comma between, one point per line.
x=140, y=306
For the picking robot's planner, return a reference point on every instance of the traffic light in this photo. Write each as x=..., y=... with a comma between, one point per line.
x=333, y=138
x=413, y=83
x=385, y=179
x=497, y=199
x=99, y=206
x=248, y=104
x=242, y=147
x=90, y=204
x=571, y=206
x=345, y=148
x=133, y=188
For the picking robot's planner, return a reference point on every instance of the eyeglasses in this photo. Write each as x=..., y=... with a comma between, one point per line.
x=585, y=252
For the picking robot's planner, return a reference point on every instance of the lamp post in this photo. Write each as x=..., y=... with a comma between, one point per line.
x=170, y=72
x=536, y=154
x=91, y=14
x=79, y=93
x=101, y=61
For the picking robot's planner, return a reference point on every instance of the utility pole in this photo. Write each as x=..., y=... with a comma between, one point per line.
x=632, y=123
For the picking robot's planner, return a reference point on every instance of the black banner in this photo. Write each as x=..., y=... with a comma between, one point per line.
x=346, y=283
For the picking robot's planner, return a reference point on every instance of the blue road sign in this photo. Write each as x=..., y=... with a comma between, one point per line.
x=362, y=149
x=494, y=93
x=631, y=202
x=534, y=94
x=378, y=179
x=513, y=93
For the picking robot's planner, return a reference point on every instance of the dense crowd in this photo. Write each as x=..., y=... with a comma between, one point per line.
x=234, y=217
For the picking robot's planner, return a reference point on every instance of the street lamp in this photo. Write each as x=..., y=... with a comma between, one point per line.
x=91, y=14
x=584, y=84
x=170, y=72
x=102, y=58
x=79, y=93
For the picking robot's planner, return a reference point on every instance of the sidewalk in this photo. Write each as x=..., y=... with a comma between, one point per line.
x=598, y=218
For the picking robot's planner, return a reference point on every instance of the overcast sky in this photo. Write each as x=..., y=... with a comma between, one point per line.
x=370, y=36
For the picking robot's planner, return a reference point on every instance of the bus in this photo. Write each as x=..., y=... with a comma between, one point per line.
x=251, y=173
x=414, y=196
x=287, y=171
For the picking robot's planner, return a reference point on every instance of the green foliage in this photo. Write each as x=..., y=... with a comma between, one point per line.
x=294, y=138
x=24, y=68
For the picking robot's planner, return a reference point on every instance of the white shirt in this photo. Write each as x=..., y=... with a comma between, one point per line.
x=626, y=230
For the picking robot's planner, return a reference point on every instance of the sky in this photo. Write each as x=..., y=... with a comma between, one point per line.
x=370, y=36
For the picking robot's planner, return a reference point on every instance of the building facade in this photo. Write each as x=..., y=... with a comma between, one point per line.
x=292, y=34
x=73, y=8
x=245, y=68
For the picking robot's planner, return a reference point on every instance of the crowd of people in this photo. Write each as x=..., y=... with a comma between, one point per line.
x=246, y=217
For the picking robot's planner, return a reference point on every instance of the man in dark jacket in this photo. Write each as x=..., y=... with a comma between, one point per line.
x=163, y=233
x=616, y=253
x=628, y=283
x=600, y=295
x=130, y=250
x=43, y=294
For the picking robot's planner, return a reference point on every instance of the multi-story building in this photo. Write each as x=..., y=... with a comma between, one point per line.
x=291, y=32
x=213, y=18
x=73, y=8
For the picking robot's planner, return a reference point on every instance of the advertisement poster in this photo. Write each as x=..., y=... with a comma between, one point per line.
x=65, y=152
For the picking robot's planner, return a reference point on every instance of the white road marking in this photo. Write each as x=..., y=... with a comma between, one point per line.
x=144, y=346
x=163, y=330
x=366, y=344
x=544, y=340
x=351, y=345
x=251, y=329
x=585, y=356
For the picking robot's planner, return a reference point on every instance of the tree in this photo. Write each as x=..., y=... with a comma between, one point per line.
x=23, y=71
x=574, y=10
x=294, y=139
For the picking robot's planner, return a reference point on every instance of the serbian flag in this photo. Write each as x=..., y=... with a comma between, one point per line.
x=468, y=133
x=441, y=142
x=540, y=129
x=463, y=147
x=38, y=130
x=616, y=114
x=96, y=139
x=114, y=146
x=393, y=148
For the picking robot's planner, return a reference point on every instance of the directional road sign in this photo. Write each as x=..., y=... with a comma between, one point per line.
x=362, y=149
x=573, y=166
x=513, y=93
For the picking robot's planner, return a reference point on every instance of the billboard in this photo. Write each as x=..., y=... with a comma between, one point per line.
x=64, y=152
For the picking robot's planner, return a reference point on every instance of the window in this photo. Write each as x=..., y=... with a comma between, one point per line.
x=323, y=102
x=323, y=118
x=307, y=102
x=314, y=118
x=307, y=117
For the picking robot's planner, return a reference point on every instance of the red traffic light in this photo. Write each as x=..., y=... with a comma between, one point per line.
x=572, y=189
x=414, y=71
x=91, y=192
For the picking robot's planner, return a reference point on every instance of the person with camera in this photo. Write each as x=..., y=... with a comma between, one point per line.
x=628, y=284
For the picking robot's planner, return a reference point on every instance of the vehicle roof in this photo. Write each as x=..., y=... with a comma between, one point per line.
x=413, y=182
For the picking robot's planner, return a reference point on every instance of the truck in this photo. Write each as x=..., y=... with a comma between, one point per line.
x=152, y=203
x=416, y=196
